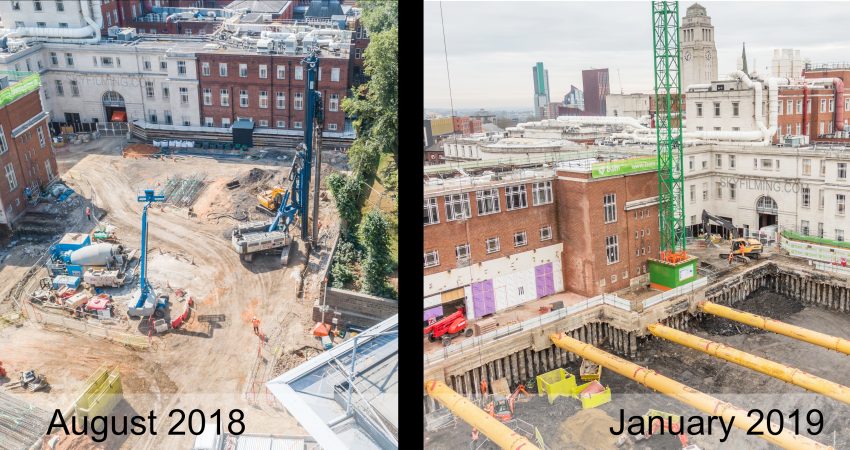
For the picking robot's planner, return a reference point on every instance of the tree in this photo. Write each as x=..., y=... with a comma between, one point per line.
x=374, y=234
x=346, y=192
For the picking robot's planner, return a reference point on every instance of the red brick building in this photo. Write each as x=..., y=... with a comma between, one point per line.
x=814, y=112
x=492, y=241
x=466, y=125
x=268, y=89
x=26, y=154
x=119, y=13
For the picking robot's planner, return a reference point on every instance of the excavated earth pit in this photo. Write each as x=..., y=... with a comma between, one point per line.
x=728, y=382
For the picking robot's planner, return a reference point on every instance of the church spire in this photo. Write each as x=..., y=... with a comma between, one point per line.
x=744, y=58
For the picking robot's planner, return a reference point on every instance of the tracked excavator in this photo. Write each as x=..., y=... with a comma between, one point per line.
x=741, y=248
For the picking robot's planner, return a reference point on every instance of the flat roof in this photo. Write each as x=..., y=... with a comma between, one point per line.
x=316, y=392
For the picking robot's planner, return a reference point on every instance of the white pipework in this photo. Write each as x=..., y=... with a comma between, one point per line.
x=600, y=120
x=698, y=86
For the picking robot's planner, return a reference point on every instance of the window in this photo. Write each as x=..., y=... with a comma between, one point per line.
x=335, y=74
x=520, y=239
x=243, y=70
x=40, y=134
x=839, y=203
x=299, y=72
x=281, y=72
x=106, y=61
x=16, y=5
x=333, y=102
x=799, y=107
x=264, y=99
x=806, y=194
x=488, y=201
x=75, y=89
x=222, y=69
x=299, y=101
x=166, y=93
x=60, y=91
x=546, y=233
x=36, y=4
x=831, y=105
x=185, y=121
x=704, y=164
x=462, y=253
x=515, y=196
x=243, y=98
x=804, y=227
x=280, y=102
x=358, y=53
x=152, y=116
x=457, y=206
x=820, y=198
x=767, y=164
x=432, y=259
x=731, y=191
x=296, y=124
x=541, y=193
x=807, y=166
x=789, y=107
x=731, y=161
x=699, y=109
x=432, y=213
x=181, y=68
x=842, y=171
x=264, y=71
x=823, y=168
x=718, y=161
x=54, y=60
x=820, y=229
x=612, y=249
x=225, y=122
x=146, y=63
x=716, y=109
x=492, y=245
x=788, y=129
x=69, y=59
x=823, y=105
x=19, y=24
x=10, y=177
x=705, y=191
x=207, y=96
x=205, y=69
x=48, y=168
x=839, y=235
x=847, y=104
x=149, y=89
x=797, y=129
x=281, y=124
x=184, y=96
x=690, y=163
x=209, y=121
x=41, y=24
x=735, y=109
x=609, y=207
x=331, y=127
x=224, y=97
x=718, y=188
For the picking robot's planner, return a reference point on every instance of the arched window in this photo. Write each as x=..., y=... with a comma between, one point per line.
x=766, y=205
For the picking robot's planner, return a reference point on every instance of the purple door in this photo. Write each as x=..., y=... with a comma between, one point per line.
x=483, y=300
x=544, y=279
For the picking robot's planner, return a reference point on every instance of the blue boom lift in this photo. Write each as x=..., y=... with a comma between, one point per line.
x=147, y=302
x=273, y=236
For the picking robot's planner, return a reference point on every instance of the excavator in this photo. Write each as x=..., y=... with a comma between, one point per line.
x=742, y=248
x=271, y=199
x=502, y=407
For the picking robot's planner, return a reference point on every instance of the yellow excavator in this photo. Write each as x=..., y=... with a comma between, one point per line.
x=741, y=248
x=270, y=200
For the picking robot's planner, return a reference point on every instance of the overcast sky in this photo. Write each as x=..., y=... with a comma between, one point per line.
x=493, y=45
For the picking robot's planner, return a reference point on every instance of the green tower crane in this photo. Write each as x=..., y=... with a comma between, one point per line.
x=674, y=267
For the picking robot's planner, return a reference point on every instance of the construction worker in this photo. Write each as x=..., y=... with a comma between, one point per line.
x=484, y=386
x=88, y=213
x=256, y=323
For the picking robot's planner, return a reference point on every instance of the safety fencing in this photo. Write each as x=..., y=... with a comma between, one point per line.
x=49, y=320
x=558, y=314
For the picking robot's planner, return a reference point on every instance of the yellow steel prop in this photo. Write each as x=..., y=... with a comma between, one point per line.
x=775, y=326
x=685, y=394
x=495, y=430
x=765, y=366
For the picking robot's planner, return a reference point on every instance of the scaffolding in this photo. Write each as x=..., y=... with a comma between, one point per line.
x=21, y=424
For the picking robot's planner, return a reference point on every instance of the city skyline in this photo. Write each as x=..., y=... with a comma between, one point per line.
x=606, y=36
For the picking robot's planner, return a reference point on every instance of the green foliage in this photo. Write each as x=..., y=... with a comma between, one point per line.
x=374, y=235
x=378, y=15
x=363, y=158
x=345, y=258
x=346, y=191
x=389, y=177
x=341, y=275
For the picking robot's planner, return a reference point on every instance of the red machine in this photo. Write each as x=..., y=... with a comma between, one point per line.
x=503, y=409
x=448, y=327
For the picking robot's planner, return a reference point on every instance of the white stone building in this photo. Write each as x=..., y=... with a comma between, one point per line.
x=627, y=105
x=699, y=54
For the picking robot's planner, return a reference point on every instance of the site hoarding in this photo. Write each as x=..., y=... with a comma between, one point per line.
x=623, y=167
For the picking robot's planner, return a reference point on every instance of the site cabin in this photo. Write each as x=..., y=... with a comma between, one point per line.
x=104, y=278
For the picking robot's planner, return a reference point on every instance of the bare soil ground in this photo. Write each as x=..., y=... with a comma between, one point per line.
x=208, y=363
x=740, y=386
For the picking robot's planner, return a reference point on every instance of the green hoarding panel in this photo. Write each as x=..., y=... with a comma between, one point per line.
x=623, y=167
x=19, y=89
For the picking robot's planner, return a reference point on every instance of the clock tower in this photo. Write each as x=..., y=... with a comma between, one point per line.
x=699, y=54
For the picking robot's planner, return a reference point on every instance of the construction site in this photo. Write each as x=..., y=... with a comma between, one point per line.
x=128, y=288
x=584, y=297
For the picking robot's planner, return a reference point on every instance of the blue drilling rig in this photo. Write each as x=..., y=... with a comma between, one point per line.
x=273, y=236
x=147, y=302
